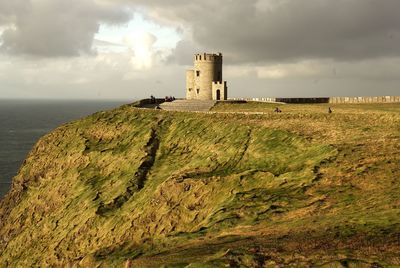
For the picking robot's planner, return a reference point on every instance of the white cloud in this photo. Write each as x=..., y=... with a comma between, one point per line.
x=54, y=28
x=142, y=46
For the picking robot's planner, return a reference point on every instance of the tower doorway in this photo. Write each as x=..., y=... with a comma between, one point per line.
x=218, y=94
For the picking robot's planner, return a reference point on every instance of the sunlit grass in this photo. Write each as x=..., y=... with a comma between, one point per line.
x=221, y=189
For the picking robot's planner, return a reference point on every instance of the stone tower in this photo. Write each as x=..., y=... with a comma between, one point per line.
x=205, y=81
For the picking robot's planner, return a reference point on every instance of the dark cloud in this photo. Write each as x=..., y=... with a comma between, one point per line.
x=9, y=10
x=53, y=28
x=246, y=31
x=183, y=53
x=287, y=30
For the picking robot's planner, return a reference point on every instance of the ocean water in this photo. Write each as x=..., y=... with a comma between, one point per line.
x=23, y=122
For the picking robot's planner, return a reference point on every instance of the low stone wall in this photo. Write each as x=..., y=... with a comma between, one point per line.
x=338, y=100
x=303, y=100
x=381, y=99
x=253, y=99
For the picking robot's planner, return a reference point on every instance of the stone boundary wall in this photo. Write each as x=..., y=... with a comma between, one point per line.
x=380, y=99
x=337, y=100
x=252, y=99
x=303, y=100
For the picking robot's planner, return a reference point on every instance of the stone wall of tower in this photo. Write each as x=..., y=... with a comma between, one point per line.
x=190, y=89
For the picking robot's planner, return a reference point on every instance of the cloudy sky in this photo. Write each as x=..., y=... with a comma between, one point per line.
x=127, y=49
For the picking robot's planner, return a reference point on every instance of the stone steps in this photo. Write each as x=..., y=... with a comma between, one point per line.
x=188, y=105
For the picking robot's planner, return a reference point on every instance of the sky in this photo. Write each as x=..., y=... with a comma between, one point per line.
x=130, y=49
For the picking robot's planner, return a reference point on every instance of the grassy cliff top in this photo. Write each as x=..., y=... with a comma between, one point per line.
x=145, y=188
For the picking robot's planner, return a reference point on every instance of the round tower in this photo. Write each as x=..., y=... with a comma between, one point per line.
x=207, y=69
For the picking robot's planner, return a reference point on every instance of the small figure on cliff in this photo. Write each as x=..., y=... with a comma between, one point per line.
x=152, y=99
x=277, y=110
x=329, y=110
x=169, y=98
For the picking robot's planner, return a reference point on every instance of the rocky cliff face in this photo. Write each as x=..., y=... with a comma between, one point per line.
x=146, y=188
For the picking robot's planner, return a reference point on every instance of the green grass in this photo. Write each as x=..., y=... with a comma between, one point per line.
x=147, y=188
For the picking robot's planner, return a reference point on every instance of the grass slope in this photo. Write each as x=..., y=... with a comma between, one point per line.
x=146, y=188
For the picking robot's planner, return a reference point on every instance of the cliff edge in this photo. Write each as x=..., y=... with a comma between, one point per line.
x=150, y=188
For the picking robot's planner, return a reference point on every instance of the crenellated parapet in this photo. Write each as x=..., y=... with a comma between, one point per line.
x=219, y=83
x=208, y=57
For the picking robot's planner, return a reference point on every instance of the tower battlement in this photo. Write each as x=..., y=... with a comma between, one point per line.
x=219, y=82
x=204, y=57
x=204, y=81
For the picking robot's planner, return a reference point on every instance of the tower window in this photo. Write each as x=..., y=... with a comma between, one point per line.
x=197, y=73
x=189, y=89
x=198, y=90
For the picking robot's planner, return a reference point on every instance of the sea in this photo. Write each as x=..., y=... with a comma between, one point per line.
x=23, y=122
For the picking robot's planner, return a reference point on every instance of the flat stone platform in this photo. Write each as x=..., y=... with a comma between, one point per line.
x=188, y=105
